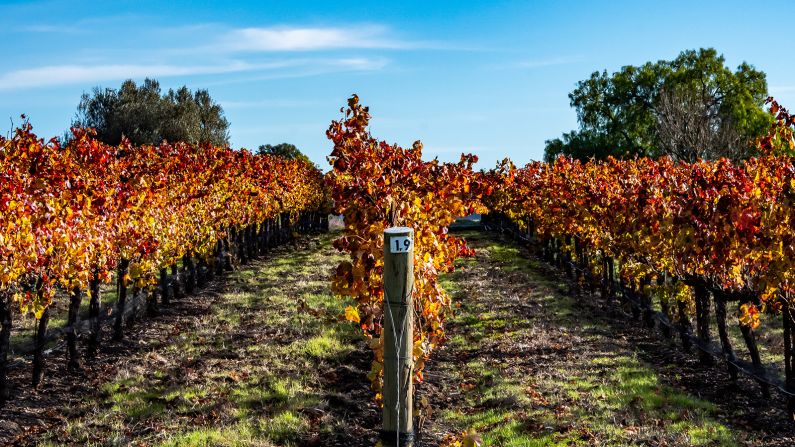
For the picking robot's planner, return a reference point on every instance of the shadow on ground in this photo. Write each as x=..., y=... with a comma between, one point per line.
x=530, y=363
x=261, y=357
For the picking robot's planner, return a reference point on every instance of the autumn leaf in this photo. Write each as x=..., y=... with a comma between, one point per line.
x=351, y=314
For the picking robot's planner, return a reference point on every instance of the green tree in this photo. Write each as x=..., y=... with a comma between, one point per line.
x=284, y=150
x=183, y=123
x=581, y=145
x=213, y=127
x=631, y=111
x=146, y=116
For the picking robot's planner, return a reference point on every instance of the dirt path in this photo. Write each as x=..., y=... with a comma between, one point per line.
x=263, y=358
x=260, y=358
x=530, y=364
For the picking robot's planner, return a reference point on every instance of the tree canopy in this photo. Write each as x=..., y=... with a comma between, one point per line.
x=145, y=116
x=283, y=150
x=691, y=107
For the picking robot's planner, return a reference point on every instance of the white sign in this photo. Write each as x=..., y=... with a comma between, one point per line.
x=400, y=244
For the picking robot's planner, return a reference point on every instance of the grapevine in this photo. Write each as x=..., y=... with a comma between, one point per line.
x=376, y=185
x=72, y=214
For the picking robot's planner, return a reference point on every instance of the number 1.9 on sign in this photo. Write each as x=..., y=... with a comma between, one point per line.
x=400, y=244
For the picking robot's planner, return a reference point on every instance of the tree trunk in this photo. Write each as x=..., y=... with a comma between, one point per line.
x=636, y=303
x=610, y=283
x=38, y=346
x=165, y=295
x=261, y=238
x=136, y=291
x=723, y=334
x=72, y=322
x=216, y=267
x=665, y=306
x=702, y=321
x=251, y=239
x=646, y=299
x=175, y=286
x=210, y=263
x=221, y=259
x=282, y=234
x=268, y=228
x=567, y=260
x=201, y=273
x=190, y=274
x=95, y=301
x=151, y=301
x=228, y=252
x=241, y=246
x=753, y=350
x=121, y=304
x=684, y=325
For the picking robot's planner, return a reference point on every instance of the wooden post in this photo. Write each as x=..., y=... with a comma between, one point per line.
x=398, y=329
x=789, y=358
x=6, y=320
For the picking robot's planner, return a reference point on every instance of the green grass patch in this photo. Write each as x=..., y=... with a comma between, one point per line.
x=606, y=396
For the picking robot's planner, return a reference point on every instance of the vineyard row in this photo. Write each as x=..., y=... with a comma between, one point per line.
x=643, y=308
x=677, y=238
x=73, y=215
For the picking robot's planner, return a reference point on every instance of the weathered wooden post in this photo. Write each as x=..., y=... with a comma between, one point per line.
x=398, y=429
x=789, y=346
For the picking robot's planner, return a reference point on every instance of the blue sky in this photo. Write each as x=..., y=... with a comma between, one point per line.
x=490, y=78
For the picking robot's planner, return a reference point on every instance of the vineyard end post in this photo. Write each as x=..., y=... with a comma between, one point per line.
x=398, y=429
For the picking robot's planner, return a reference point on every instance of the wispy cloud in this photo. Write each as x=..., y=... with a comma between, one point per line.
x=361, y=63
x=310, y=67
x=53, y=75
x=269, y=103
x=538, y=63
x=308, y=39
x=221, y=52
x=74, y=74
x=64, y=29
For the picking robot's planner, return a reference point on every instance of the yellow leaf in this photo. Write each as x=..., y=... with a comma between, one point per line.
x=351, y=314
